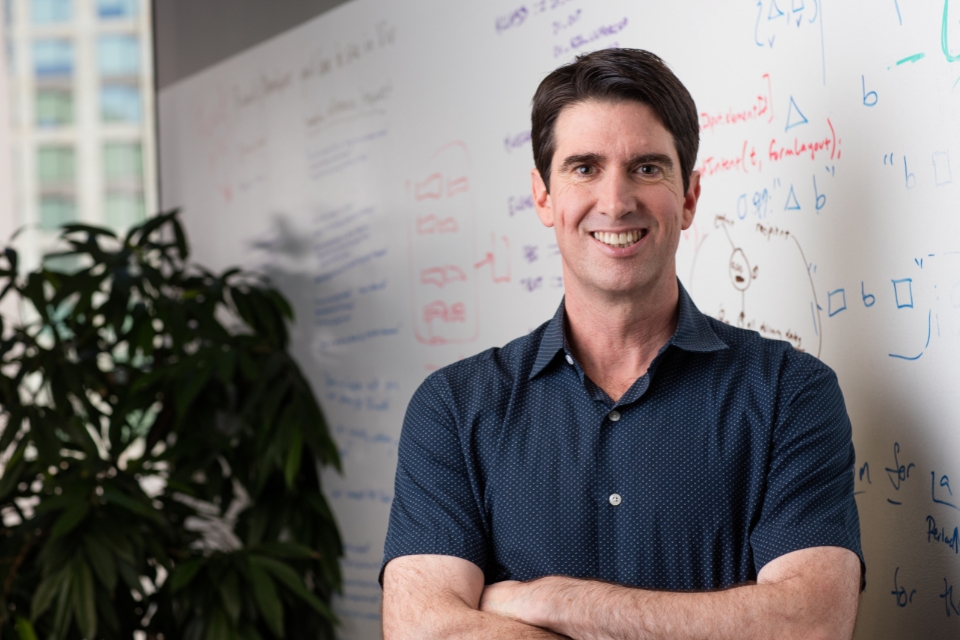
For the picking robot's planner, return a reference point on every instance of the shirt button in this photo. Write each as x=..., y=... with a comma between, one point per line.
x=569, y=359
x=614, y=416
x=615, y=499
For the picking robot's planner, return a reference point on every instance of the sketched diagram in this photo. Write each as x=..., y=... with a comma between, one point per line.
x=233, y=132
x=214, y=130
x=441, y=248
x=756, y=276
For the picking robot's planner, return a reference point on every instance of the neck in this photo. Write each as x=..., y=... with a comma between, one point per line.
x=616, y=337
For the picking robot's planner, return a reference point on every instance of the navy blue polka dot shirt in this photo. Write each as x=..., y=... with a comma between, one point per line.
x=730, y=451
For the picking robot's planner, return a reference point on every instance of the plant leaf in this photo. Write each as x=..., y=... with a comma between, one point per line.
x=230, y=596
x=61, y=615
x=130, y=576
x=288, y=550
x=69, y=519
x=184, y=573
x=45, y=593
x=112, y=495
x=84, y=602
x=249, y=633
x=25, y=629
x=294, y=456
x=85, y=228
x=15, y=467
x=218, y=627
x=265, y=592
x=292, y=581
x=102, y=561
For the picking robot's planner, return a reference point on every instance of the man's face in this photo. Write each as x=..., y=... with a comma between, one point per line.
x=617, y=201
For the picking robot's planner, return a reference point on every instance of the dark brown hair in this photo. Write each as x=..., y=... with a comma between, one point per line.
x=615, y=75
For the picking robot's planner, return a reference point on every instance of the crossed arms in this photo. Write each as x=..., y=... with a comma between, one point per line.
x=810, y=593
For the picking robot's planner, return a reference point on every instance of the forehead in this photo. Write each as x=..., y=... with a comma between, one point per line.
x=608, y=127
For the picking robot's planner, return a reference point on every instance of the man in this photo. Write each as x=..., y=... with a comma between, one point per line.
x=613, y=473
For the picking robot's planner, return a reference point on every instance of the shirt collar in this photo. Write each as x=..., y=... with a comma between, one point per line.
x=693, y=333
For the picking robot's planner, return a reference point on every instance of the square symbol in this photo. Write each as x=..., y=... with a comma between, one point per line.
x=903, y=292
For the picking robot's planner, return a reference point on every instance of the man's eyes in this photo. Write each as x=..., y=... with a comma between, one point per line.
x=650, y=170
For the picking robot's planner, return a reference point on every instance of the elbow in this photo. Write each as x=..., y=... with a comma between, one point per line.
x=423, y=621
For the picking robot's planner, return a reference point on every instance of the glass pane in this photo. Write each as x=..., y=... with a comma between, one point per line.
x=54, y=107
x=63, y=264
x=124, y=209
x=56, y=211
x=51, y=11
x=122, y=161
x=117, y=8
x=52, y=57
x=11, y=57
x=120, y=103
x=55, y=166
x=118, y=55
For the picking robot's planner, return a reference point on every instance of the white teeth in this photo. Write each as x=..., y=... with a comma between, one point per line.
x=618, y=239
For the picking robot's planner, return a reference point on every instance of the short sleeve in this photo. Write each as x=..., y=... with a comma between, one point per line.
x=809, y=499
x=436, y=504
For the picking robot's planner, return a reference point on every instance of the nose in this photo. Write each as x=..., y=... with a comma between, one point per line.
x=616, y=195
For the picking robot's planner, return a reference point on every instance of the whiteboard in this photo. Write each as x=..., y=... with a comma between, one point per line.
x=375, y=162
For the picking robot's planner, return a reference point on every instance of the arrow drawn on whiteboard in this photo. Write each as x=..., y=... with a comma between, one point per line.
x=490, y=258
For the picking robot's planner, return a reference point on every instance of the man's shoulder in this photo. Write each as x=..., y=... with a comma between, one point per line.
x=790, y=363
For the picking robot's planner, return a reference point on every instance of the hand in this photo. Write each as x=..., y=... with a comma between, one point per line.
x=508, y=598
x=523, y=601
x=501, y=598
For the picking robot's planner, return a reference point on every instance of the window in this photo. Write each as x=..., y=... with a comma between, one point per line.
x=118, y=55
x=51, y=11
x=120, y=103
x=56, y=210
x=54, y=107
x=124, y=209
x=11, y=57
x=56, y=167
x=108, y=9
x=122, y=161
x=52, y=58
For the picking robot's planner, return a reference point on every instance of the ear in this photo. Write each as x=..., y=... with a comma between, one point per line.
x=690, y=200
x=541, y=199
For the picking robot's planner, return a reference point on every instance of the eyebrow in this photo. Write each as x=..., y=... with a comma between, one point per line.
x=597, y=158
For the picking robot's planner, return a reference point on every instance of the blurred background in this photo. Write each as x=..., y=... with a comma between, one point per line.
x=77, y=113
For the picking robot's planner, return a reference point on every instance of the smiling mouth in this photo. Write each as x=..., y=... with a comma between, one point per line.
x=619, y=240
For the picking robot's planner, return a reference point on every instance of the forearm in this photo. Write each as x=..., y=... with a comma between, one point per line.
x=808, y=594
x=456, y=621
x=587, y=610
x=432, y=596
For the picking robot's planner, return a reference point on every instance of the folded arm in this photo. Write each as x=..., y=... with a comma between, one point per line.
x=433, y=596
x=811, y=594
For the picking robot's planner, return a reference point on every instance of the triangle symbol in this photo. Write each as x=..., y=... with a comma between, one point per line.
x=774, y=7
x=792, y=204
x=794, y=116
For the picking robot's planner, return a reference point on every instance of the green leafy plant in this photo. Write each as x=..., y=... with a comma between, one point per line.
x=160, y=451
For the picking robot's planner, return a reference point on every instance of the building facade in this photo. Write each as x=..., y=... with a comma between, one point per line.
x=80, y=85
